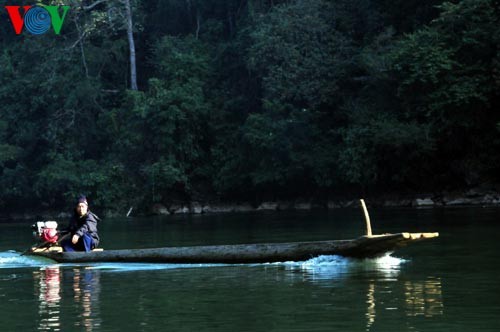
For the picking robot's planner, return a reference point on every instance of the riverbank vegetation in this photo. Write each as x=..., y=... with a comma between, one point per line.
x=250, y=101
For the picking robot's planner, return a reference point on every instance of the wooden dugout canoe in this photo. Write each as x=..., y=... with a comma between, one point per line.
x=362, y=247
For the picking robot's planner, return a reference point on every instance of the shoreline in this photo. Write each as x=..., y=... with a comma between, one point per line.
x=471, y=198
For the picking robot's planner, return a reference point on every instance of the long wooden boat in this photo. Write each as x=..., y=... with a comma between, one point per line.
x=362, y=247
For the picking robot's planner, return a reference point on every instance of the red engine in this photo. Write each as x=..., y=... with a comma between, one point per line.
x=47, y=231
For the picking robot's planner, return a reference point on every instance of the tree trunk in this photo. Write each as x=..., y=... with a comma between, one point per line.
x=82, y=50
x=198, y=22
x=131, y=43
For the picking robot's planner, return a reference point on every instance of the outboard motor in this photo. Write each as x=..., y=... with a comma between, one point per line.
x=46, y=231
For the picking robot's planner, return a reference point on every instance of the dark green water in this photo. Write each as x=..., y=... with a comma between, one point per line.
x=447, y=284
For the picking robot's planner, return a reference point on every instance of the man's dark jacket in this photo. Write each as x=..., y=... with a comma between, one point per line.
x=86, y=224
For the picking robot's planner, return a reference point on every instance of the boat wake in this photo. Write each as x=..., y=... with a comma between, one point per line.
x=13, y=259
x=322, y=267
x=337, y=267
x=125, y=267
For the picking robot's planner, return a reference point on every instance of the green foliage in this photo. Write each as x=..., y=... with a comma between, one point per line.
x=301, y=58
x=164, y=177
x=169, y=120
x=447, y=80
x=379, y=146
x=64, y=179
x=7, y=152
x=251, y=100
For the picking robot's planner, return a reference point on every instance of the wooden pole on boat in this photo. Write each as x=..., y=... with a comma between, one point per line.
x=367, y=218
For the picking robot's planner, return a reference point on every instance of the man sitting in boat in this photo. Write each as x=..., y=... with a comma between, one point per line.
x=83, y=229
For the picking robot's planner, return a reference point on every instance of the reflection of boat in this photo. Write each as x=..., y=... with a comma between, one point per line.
x=421, y=298
x=86, y=288
x=424, y=298
x=362, y=247
x=48, y=288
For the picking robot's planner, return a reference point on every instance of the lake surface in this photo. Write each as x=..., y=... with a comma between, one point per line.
x=447, y=284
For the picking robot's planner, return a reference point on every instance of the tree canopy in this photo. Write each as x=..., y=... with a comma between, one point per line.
x=249, y=100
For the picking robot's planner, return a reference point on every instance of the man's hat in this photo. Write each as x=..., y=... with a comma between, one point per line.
x=82, y=199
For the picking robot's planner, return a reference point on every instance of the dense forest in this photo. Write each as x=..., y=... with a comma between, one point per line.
x=139, y=102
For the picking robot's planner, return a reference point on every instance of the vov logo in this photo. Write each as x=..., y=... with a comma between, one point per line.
x=37, y=19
